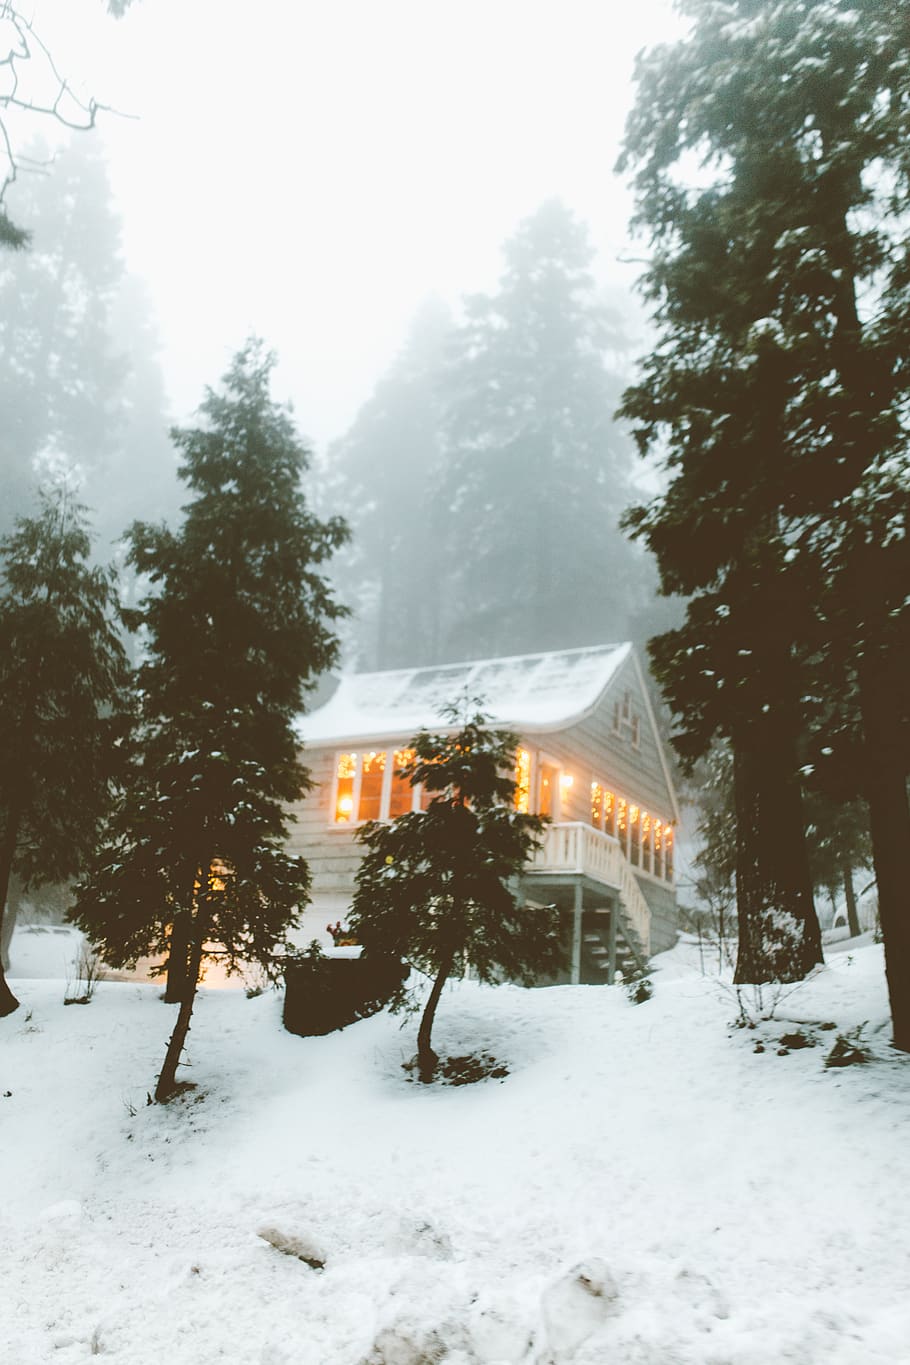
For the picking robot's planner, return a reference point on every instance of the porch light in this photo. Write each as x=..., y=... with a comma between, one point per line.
x=566, y=781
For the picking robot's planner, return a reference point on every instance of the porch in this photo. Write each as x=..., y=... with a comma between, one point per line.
x=586, y=874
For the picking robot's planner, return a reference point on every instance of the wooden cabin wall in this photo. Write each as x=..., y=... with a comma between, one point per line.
x=330, y=849
x=637, y=773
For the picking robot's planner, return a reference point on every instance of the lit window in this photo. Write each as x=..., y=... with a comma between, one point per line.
x=597, y=805
x=401, y=795
x=548, y=779
x=371, y=780
x=523, y=781
x=344, y=796
x=635, y=835
x=658, y=849
x=622, y=823
x=610, y=813
x=646, y=834
x=668, y=853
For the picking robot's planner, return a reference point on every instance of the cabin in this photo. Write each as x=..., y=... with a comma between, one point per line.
x=589, y=757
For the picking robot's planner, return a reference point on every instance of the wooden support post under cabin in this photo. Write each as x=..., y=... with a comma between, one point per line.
x=575, y=976
x=611, y=943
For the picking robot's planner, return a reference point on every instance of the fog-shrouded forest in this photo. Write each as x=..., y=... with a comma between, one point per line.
x=540, y=463
x=367, y=338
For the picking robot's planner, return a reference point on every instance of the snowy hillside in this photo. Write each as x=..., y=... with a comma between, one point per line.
x=644, y=1187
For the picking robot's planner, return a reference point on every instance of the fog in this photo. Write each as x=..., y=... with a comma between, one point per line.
x=311, y=172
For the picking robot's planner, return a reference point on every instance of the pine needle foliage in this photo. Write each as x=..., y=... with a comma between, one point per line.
x=63, y=698
x=437, y=886
x=769, y=156
x=236, y=628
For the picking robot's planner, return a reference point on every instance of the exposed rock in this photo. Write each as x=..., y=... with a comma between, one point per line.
x=294, y=1244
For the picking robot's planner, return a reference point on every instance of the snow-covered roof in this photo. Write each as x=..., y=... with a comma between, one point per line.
x=527, y=692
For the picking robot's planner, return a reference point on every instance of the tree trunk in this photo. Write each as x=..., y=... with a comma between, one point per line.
x=881, y=697
x=178, y=961
x=779, y=933
x=850, y=898
x=167, y=1081
x=8, y=920
x=8, y=1002
x=427, y=1059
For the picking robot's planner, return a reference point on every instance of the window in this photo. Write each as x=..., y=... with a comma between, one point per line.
x=646, y=836
x=401, y=793
x=549, y=777
x=597, y=805
x=622, y=824
x=609, y=813
x=668, y=854
x=658, y=849
x=635, y=836
x=344, y=793
x=523, y=781
x=372, y=777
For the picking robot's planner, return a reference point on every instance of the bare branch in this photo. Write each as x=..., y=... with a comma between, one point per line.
x=20, y=44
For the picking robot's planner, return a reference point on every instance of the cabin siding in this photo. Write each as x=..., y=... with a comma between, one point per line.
x=637, y=773
x=661, y=898
x=330, y=850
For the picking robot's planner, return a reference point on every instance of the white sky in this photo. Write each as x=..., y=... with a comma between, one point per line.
x=312, y=170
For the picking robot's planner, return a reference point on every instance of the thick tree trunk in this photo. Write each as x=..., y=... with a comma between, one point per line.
x=167, y=1081
x=779, y=933
x=178, y=961
x=8, y=921
x=8, y=1002
x=427, y=1059
x=850, y=898
x=881, y=701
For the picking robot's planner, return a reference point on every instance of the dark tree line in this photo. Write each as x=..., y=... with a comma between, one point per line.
x=778, y=391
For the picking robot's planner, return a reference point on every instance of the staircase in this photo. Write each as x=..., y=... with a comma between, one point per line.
x=579, y=850
x=630, y=958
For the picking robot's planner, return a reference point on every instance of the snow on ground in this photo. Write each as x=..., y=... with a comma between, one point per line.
x=645, y=1187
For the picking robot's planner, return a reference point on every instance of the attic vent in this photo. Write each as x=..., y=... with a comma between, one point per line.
x=626, y=721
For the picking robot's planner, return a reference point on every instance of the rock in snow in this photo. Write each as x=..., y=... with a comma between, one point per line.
x=293, y=1244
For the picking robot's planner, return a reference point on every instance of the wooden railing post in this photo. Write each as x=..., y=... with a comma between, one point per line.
x=577, y=914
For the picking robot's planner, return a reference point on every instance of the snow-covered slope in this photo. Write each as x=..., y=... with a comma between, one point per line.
x=644, y=1186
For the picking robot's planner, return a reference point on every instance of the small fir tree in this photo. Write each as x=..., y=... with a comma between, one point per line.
x=437, y=886
x=63, y=688
x=236, y=629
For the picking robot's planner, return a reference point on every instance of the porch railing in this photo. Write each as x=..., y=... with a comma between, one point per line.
x=581, y=849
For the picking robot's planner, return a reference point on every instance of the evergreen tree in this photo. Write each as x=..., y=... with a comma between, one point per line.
x=436, y=886
x=80, y=386
x=63, y=681
x=236, y=628
x=536, y=471
x=382, y=473
x=779, y=397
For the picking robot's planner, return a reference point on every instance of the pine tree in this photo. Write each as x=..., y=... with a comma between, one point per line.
x=536, y=472
x=63, y=686
x=382, y=472
x=779, y=397
x=436, y=886
x=236, y=628
x=81, y=388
